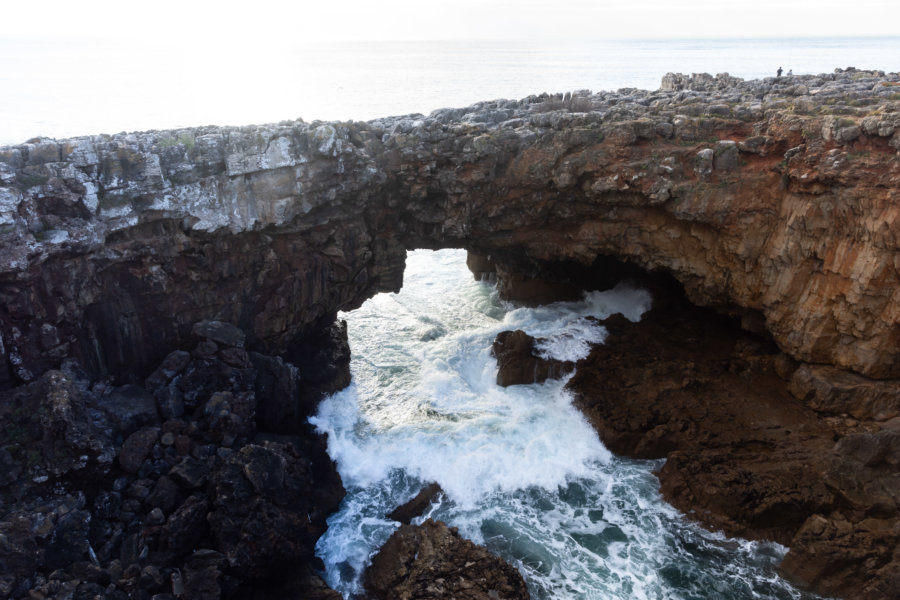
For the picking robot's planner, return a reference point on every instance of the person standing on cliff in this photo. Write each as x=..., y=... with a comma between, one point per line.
x=778, y=73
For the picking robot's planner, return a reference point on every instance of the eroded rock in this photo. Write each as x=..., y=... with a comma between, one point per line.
x=432, y=561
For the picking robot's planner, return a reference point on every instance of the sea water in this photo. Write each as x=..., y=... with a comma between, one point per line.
x=66, y=87
x=522, y=471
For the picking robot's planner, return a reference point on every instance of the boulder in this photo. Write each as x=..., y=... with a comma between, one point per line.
x=433, y=561
x=519, y=363
x=418, y=505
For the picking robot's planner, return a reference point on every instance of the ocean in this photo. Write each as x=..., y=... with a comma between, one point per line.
x=65, y=87
x=522, y=470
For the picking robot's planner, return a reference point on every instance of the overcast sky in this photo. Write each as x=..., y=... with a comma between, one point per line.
x=271, y=21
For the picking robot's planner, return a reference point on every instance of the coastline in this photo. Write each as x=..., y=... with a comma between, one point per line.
x=770, y=201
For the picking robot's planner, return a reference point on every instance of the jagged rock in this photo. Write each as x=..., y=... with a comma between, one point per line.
x=175, y=238
x=190, y=473
x=268, y=508
x=136, y=448
x=220, y=332
x=186, y=526
x=129, y=408
x=418, y=505
x=744, y=454
x=518, y=362
x=837, y=392
x=432, y=561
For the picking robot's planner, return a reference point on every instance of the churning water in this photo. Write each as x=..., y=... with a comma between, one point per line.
x=523, y=472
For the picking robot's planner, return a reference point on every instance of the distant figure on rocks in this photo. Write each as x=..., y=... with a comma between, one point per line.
x=790, y=73
x=778, y=73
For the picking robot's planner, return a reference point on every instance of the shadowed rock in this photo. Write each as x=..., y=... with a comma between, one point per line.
x=418, y=505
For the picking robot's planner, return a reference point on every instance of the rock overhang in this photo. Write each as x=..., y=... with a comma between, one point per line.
x=774, y=197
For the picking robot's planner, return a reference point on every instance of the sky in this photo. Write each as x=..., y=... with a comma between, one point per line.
x=191, y=22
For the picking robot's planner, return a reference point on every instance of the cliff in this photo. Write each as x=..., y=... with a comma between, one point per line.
x=773, y=201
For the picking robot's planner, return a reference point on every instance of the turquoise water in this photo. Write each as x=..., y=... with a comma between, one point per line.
x=523, y=471
x=62, y=88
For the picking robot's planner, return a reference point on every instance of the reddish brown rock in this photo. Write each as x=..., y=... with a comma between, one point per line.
x=431, y=561
x=744, y=455
x=519, y=363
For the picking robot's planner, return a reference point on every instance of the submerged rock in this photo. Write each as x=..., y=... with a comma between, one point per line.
x=418, y=505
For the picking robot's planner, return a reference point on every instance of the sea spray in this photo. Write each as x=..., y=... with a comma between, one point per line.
x=522, y=470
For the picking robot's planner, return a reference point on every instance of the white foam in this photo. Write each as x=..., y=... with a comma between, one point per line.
x=523, y=471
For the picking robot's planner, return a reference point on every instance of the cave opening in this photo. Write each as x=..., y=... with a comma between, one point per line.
x=521, y=469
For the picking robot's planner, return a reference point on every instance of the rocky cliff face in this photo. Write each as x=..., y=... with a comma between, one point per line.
x=774, y=201
x=770, y=199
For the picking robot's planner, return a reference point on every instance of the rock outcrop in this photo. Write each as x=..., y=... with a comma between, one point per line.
x=772, y=201
x=168, y=489
x=743, y=454
x=431, y=561
x=519, y=361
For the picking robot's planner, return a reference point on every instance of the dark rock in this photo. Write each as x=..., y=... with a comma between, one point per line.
x=204, y=576
x=190, y=473
x=518, y=362
x=172, y=365
x=186, y=526
x=277, y=387
x=323, y=358
x=229, y=417
x=166, y=495
x=266, y=511
x=418, y=505
x=129, y=408
x=221, y=333
x=107, y=505
x=136, y=448
x=69, y=542
x=433, y=561
x=170, y=400
x=19, y=549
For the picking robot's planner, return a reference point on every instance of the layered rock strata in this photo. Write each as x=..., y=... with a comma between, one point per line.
x=773, y=201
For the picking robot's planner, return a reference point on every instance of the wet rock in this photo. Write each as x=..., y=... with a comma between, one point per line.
x=518, y=361
x=418, y=505
x=432, y=561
